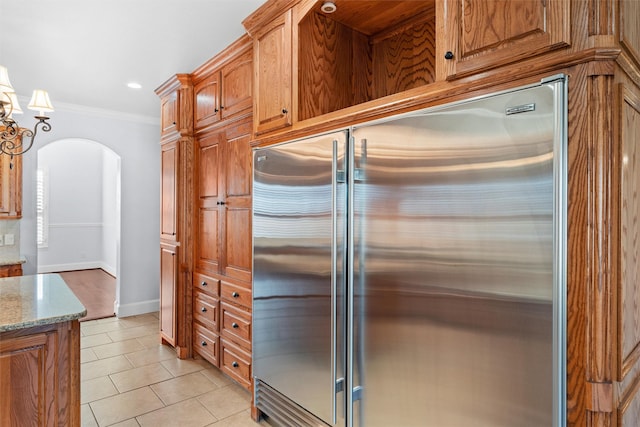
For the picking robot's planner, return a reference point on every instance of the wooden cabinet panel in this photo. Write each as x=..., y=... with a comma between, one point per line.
x=11, y=270
x=209, y=164
x=39, y=376
x=237, y=294
x=482, y=34
x=205, y=310
x=209, y=190
x=207, y=97
x=209, y=254
x=629, y=310
x=169, y=113
x=272, y=102
x=236, y=363
x=206, y=344
x=238, y=162
x=237, y=88
x=168, y=280
x=238, y=243
x=168, y=187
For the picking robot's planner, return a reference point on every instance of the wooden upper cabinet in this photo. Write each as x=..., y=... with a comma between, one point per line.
x=272, y=99
x=237, y=89
x=224, y=85
x=207, y=96
x=176, y=107
x=476, y=35
x=168, y=191
x=10, y=187
x=169, y=113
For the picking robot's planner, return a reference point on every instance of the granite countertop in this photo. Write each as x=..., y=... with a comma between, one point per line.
x=13, y=261
x=41, y=299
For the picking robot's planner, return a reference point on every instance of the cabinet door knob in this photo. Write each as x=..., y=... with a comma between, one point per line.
x=215, y=110
x=285, y=111
x=235, y=295
x=234, y=325
x=222, y=107
x=221, y=203
x=203, y=343
x=203, y=309
x=235, y=364
x=448, y=55
x=203, y=283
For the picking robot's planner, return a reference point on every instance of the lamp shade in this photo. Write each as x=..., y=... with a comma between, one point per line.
x=5, y=84
x=11, y=98
x=40, y=101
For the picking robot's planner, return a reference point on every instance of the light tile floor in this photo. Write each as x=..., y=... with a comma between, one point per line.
x=129, y=379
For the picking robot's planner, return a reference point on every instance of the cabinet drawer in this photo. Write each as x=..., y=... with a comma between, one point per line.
x=237, y=294
x=206, y=284
x=206, y=344
x=235, y=324
x=205, y=310
x=236, y=363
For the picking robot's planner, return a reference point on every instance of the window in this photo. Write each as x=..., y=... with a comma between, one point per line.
x=42, y=205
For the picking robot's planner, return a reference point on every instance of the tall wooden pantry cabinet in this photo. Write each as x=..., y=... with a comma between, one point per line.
x=206, y=201
x=176, y=195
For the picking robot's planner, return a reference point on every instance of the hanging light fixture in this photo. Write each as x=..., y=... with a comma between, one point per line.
x=14, y=140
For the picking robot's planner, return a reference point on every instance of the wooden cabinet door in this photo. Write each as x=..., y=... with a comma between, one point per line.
x=207, y=97
x=237, y=88
x=477, y=35
x=168, y=196
x=237, y=207
x=168, y=281
x=272, y=103
x=169, y=113
x=210, y=191
x=10, y=187
x=40, y=376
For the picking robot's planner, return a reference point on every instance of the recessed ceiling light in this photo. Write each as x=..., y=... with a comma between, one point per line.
x=134, y=85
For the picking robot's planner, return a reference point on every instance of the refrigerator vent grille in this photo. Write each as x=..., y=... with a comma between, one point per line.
x=282, y=411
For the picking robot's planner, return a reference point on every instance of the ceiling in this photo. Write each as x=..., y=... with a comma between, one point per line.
x=84, y=52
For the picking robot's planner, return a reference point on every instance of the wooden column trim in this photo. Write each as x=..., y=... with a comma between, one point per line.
x=603, y=235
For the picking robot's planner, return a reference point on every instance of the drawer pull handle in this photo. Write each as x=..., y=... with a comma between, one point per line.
x=235, y=295
x=203, y=343
x=234, y=325
x=203, y=283
x=203, y=309
x=235, y=364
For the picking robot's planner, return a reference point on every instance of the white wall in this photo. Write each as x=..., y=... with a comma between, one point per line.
x=135, y=140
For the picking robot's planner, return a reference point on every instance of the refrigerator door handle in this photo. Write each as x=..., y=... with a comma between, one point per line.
x=334, y=276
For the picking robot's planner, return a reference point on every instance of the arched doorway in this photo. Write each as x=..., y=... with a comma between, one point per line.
x=78, y=217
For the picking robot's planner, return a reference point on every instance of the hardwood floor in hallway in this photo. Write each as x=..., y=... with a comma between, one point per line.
x=96, y=290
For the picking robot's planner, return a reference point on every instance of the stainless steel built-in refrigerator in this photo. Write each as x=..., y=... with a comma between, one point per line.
x=411, y=271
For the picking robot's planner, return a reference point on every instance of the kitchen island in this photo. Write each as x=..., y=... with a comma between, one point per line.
x=39, y=352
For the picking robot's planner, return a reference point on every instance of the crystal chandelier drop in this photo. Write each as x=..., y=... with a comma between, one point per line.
x=15, y=140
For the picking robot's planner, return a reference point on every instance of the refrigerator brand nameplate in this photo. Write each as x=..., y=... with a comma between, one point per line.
x=520, y=109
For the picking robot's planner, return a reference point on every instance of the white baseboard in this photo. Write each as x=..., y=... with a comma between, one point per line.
x=54, y=268
x=125, y=310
